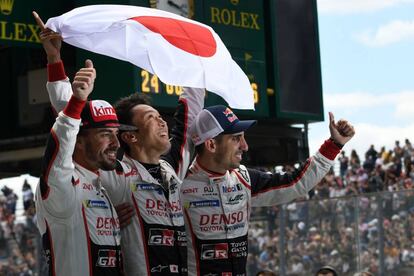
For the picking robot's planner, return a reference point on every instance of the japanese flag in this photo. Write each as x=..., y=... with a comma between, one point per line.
x=178, y=50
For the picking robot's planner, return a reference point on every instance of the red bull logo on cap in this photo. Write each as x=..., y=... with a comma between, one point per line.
x=230, y=115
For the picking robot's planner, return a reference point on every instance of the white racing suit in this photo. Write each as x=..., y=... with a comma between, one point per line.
x=154, y=243
x=217, y=208
x=77, y=222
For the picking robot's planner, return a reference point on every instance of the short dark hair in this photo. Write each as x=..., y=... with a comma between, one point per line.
x=123, y=109
x=199, y=149
x=326, y=269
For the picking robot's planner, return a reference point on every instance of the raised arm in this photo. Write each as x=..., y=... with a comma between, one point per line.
x=57, y=181
x=272, y=189
x=58, y=85
x=190, y=103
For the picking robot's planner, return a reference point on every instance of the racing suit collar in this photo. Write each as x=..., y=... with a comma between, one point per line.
x=86, y=172
x=145, y=175
x=92, y=176
x=197, y=165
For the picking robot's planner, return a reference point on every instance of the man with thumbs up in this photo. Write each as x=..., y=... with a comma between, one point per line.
x=78, y=223
x=219, y=191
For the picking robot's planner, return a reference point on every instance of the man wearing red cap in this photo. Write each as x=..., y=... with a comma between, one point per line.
x=77, y=221
x=218, y=192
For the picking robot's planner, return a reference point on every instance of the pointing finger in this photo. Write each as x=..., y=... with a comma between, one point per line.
x=38, y=20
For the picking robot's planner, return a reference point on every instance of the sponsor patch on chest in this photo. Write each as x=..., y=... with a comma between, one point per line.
x=90, y=203
x=146, y=187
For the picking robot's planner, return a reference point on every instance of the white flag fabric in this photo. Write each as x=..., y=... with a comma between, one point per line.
x=178, y=50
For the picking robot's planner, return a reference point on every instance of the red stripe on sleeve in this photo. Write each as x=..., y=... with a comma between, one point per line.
x=329, y=149
x=242, y=180
x=88, y=238
x=52, y=251
x=56, y=72
x=296, y=180
x=49, y=165
x=74, y=108
x=141, y=225
x=193, y=238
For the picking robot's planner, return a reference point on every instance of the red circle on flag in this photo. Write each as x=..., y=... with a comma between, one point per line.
x=192, y=38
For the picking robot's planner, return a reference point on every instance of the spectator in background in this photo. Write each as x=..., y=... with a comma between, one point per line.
x=27, y=195
x=398, y=151
x=386, y=157
x=376, y=179
x=11, y=199
x=371, y=152
x=407, y=149
x=343, y=164
x=330, y=227
x=370, y=158
x=407, y=152
x=355, y=162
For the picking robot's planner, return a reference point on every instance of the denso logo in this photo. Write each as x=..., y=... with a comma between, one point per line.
x=217, y=219
x=106, y=258
x=214, y=251
x=230, y=189
x=162, y=205
x=107, y=223
x=161, y=237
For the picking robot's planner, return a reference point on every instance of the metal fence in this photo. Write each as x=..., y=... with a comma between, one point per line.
x=371, y=232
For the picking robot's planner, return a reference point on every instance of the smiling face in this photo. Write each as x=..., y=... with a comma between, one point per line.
x=229, y=150
x=99, y=147
x=152, y=133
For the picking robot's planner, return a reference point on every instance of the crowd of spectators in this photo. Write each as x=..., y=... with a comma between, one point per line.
x=358, y=219
x=18, y=236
